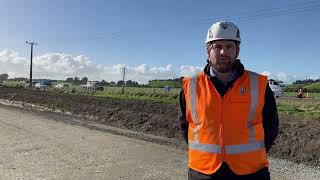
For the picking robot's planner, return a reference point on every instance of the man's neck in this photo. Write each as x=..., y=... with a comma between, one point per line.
x=223, y=77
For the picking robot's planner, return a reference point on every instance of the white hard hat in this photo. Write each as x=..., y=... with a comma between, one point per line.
x=223, y=30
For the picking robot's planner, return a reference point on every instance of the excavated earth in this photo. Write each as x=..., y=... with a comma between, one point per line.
x=298, y=140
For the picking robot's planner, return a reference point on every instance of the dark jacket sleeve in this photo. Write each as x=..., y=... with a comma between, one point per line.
x=270, y=119
x=182, y=120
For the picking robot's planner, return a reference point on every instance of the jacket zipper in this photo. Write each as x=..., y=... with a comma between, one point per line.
x=222, y=130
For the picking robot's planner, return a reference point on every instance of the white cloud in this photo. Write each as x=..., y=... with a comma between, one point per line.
x=281, y=76
x=187, y=70
x=11, y=63
x=266, y=73
x=314, y=77
x=144, y=72
x=62, y=66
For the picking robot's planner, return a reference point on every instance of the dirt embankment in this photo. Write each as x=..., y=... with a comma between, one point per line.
x=298, y=140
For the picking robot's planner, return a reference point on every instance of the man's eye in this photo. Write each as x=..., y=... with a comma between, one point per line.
x=230, y=47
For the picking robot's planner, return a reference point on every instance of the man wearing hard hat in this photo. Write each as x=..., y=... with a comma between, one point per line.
x=228, y=115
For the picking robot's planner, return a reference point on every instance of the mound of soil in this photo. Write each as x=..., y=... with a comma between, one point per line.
x=298, y=140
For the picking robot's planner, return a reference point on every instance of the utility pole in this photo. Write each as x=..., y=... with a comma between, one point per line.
x=124, y=72
x=31, y=43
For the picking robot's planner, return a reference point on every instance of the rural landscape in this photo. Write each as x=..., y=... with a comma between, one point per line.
x=94, y=90
x=152, y=109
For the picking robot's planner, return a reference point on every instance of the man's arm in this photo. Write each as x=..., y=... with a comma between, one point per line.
x=182, y=121
x=270, y=119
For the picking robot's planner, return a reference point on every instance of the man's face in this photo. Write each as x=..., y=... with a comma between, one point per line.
x=222, y=55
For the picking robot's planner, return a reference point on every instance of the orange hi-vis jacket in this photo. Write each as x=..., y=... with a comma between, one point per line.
x=227, y=129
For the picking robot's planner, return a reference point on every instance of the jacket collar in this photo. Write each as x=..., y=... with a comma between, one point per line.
x=238, y=70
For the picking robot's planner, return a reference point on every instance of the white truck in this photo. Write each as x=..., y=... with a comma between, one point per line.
x=92, y=86
x=277, y=87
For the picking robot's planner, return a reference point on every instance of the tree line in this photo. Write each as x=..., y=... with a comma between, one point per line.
x=306, y=81
x=131, y=83
x=84, y=80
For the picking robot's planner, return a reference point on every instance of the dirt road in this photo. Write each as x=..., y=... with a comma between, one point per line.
x=35, y=147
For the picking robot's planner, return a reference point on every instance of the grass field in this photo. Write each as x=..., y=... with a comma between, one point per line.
x=152, y=94
x=294, y=94
x=306, y=108
x=313, y=87
x=287, y=106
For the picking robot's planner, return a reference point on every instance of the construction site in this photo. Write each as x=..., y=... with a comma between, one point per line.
x=130, y=90
x=298, y=139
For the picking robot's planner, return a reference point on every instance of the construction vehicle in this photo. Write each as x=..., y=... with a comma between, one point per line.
x=42, y=84
x=300, y=94
x=277, y=87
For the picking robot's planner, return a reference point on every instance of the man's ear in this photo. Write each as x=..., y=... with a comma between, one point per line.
x=208, y=47
x=238, y=51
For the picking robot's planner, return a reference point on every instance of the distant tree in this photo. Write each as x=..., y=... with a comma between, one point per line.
x=135, y=84
x=4, y=77
x=76, y=81
x=20, y=79
x=84, y=80
x=306, y=81
x=104, y=83
x=131, y=83
x=69, y=80
x=120, y=83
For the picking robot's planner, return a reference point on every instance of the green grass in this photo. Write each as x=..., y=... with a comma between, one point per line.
x=304, y=108
x=294, y=87
x=313, y=87
x=161, y=83
x=294, y=94
x=299, y=108
x=168, y=100
x=151, y=94
x=13, y=83
x=294, y=107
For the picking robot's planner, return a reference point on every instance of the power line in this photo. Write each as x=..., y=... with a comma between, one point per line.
x=282, y=7
x=292, y=8
x=263, y=13
x=280, y=13
x=252, y=18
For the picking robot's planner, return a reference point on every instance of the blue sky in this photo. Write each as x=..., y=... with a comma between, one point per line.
x=155, y=38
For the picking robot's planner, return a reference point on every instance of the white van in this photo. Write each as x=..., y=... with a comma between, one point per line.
x=277, y=87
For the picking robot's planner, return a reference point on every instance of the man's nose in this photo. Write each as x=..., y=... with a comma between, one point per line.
x=222, y=51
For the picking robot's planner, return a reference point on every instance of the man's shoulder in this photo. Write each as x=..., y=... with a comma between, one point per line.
x=195, y=76
x=257, y=74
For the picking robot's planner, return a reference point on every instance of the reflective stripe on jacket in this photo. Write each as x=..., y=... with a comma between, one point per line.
x=228, y=129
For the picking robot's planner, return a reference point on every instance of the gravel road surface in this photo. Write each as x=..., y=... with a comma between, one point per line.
x=37, y=147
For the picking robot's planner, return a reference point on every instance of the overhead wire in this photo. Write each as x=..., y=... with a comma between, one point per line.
x=280, y=7
x=263, y=13
x=292, y=8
